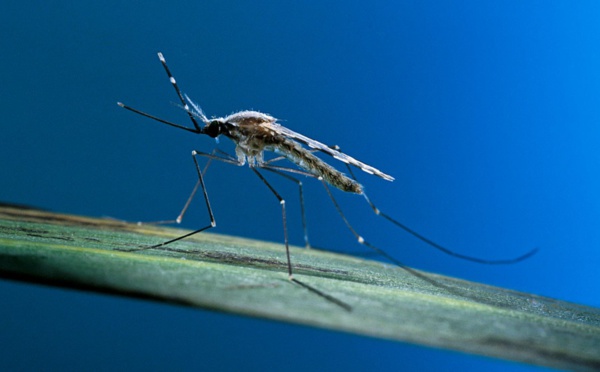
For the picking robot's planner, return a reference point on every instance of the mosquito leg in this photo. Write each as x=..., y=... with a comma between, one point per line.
x=189, y=200
x=271, y=161
x=332, y=299
x=225, y=158
x=279, y=171
x=213, y=222
x=181, y=214
x=359, y=237
x=285, y=232
x=446, y=250
x=441, y=248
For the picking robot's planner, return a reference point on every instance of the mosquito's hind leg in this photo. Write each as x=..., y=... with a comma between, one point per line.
x=433, y=244
x=359, y=237
x=447, y=251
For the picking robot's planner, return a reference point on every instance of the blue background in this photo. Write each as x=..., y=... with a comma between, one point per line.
x=486, y=113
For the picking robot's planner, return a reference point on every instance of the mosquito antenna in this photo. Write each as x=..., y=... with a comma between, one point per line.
x=193, y=130
x=198, y=111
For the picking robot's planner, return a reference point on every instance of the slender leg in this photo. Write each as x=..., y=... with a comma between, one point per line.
x=279, y=171
x=282, y=203
x=211, y=157
x=332, y=299
x=212, y=224
x=444, y=249
x=276, y=169
x=359, y=238
x=416, y=234
x=225, y=158
x=180, y=215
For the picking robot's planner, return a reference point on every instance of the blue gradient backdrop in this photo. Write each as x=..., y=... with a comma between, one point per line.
x=486, y=112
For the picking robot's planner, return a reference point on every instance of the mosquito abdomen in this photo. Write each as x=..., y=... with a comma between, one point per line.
x=312, y=164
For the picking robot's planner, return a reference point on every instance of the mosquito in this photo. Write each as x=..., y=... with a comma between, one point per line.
x=255, y=132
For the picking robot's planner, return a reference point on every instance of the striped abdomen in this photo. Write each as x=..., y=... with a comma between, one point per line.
x=312, y=164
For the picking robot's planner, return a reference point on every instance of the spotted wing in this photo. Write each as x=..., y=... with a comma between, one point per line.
x=326, y=149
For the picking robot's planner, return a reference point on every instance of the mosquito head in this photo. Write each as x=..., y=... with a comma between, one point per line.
x=214, y=128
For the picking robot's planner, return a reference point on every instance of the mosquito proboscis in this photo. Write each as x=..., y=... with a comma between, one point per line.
x=253, y=133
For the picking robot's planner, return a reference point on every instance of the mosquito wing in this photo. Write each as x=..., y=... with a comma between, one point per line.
x=326, y=149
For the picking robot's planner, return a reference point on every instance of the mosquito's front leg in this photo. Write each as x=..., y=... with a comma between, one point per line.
x=200, y=182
